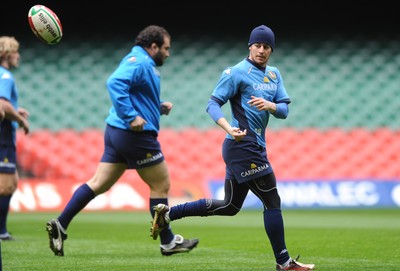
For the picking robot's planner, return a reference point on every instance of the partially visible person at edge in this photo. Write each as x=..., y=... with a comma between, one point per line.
x=130, y=138
x=12, y=117
x=255, y=91
x=2, y=112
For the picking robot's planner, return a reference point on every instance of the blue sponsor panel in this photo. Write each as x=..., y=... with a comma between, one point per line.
x=326, y=194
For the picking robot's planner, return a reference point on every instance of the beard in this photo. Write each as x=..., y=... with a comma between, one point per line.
x=159, y=59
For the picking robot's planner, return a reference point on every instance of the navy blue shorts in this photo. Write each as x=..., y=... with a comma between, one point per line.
x=136, y=149
x=245, y=160
x=8, y=159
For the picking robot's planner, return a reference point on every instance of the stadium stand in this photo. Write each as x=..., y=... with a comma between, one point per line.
x=318, y=76
x=196, y=153
x=344, y=102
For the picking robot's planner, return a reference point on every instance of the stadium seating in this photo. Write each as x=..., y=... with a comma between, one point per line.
x=343, y=83
x=343, y=120
x=195, y=153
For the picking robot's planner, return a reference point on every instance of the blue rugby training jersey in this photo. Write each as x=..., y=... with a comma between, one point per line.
x=134, y=89
x=237, y=84
x=8, y=91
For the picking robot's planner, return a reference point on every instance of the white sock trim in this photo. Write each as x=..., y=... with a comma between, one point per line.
x=166, y=217
x=171, y=245
x=61, y=227
x=286, y=263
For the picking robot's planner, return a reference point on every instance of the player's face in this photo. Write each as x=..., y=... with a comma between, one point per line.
x=163, y=52
x=13, y=59
x=259, y=53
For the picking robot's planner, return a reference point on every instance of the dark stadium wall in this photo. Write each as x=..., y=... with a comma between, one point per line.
x=300, y=19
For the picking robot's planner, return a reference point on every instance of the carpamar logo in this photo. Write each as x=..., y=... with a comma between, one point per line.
x=149, y=158
x=254, y=169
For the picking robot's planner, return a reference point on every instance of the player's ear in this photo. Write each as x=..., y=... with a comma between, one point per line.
x=154, y=46
x=152, y=49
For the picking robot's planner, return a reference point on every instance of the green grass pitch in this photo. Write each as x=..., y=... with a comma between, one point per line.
x=335, y=240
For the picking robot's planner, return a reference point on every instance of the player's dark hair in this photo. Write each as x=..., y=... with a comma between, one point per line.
x=152, y=33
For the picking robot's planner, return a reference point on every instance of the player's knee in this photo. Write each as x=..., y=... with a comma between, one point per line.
x=273, y=200
x=231, y=210
x=7, y=189
x=162, y=186
x=159, y=188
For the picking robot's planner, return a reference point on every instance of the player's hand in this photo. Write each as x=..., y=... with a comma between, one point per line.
x=137, y=124
x=238, y=134
x=23, y=112
x=166, y=108
x=24, y=124
x=262, y=104
x=2, y=114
